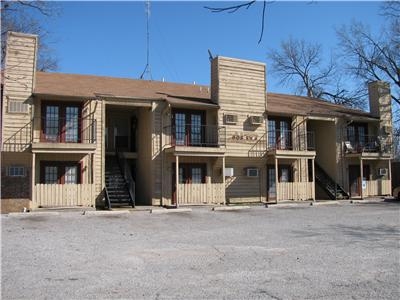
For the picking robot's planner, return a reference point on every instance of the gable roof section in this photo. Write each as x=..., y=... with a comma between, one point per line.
x=291, y=105
x=88, y=86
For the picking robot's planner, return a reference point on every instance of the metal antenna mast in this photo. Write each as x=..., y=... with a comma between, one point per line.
x=147, y=70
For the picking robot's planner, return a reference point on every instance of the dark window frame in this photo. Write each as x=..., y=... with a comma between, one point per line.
x=62, y=122
x=60, y=165
x=187, y=131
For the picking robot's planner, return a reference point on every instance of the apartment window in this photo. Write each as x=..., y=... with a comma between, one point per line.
x=279, y=134
x=188, y=127
x=60, y=172
x=61, y=122
x=357, y=134
x=16, y=171
x=191, y=173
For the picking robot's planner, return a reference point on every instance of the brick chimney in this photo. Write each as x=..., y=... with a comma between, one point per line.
x=380, y=103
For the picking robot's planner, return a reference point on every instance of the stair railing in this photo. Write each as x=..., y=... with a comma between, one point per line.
x=107, y=198
x=259, y=148
x=20, y=140
x=123, y=164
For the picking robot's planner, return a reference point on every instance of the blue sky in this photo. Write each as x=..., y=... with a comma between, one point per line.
x=109, y=38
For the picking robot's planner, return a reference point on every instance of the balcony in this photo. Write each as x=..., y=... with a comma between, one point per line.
x=64, y=135
x=290, y=140
x=367, y=145
x=195, y=138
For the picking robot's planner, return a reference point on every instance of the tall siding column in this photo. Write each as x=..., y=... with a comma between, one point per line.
x=177, y=180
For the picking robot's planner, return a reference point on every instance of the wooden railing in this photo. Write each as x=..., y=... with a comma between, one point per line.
x=377, y=188
x=295, y=190
x=57, y=195
x=201, y=193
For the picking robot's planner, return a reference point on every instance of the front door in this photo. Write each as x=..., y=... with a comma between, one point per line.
x=354, y=181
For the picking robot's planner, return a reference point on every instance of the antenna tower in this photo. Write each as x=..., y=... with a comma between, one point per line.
x=147, y=71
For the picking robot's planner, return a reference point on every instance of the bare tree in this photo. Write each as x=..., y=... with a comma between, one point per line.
x=302, y=64
x=20, y=16
x=370, y=57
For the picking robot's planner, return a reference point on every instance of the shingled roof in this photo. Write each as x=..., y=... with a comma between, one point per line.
x=88, y=86
x=299, y=105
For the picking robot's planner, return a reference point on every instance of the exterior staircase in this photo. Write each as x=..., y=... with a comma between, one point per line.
x=333, y=190
x=117, y=190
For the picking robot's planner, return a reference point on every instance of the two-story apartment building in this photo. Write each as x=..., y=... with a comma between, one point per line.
x=79, y=140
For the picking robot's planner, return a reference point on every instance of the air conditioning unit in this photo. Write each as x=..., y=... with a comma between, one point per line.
x=228, y=172
x=382, y=172
x=231, y=119
x=256, y=120
x=252, y=172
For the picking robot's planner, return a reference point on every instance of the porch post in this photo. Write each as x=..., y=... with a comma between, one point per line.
x=313, y=181
x=362, y=178
x=33, y=174
x=177, y=180
x=276, y=179
x=223, y=179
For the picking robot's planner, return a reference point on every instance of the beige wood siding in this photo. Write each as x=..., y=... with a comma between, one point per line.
x=63, y=195
x=204, y=193
x=144, y=162
x=377, y=187
x=19, y=75
x=239, y=88
x=242, y=187
x=295, y=191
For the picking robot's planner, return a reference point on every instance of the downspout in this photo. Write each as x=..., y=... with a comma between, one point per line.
x=167, y=107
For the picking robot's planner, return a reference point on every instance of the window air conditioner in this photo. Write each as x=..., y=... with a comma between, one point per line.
x=229, y=172
x=382, y=171
x=231, y=119
x=252, y=172
x=256, y=120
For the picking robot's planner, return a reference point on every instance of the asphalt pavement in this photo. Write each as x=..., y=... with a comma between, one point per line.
x=291, y=252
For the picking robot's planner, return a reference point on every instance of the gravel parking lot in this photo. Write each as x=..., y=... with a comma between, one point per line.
x=321, y=252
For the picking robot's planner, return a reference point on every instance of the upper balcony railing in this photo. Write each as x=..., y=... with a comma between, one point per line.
x=65, y=130
x=367, y=143
x=195, y=135
x=290, y=140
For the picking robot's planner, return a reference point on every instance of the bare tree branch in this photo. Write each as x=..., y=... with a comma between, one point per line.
x=235, y=8
x=19, y=16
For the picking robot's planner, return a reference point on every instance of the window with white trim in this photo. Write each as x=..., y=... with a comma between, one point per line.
x=16, y=171
x=17, y=107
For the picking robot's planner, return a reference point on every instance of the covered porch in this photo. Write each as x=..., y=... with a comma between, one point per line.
x=195, y=177
x=291, y=176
